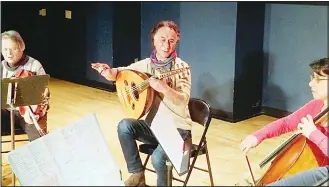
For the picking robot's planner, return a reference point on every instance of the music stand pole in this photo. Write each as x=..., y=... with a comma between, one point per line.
x=10, y=101
x=12, y=134
x=169, y=172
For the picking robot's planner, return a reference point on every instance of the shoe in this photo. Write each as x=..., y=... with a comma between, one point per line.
x=136, y=179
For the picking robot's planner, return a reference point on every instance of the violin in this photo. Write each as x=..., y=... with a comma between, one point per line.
x=291, y=157
x=26, y=111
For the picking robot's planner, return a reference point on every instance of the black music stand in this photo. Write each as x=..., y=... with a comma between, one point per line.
x=17, y=92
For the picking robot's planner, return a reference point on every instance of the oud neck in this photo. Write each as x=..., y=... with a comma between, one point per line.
x=171, y=73
x=145, y=84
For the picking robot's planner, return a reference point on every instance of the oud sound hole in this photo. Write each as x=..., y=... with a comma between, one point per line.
x=135, y=91
x=133, y=106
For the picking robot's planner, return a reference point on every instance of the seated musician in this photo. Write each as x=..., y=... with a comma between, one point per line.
x=302, y=121
x=174, y=94
x=16, y=64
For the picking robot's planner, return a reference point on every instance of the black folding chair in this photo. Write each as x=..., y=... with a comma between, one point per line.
x=200, y=113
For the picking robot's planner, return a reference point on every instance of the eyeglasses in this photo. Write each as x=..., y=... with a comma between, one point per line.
x=316, y=78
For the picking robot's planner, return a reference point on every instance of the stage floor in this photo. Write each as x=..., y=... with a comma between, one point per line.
x=70, y=102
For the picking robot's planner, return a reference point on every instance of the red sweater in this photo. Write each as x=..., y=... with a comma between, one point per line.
x=318, y=140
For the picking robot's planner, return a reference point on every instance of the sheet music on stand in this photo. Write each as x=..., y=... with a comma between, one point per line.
x=75, y=155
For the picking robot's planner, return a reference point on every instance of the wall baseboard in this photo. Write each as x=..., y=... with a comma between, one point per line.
x=273, y=112
x=100, y=85
x=229, y=117
x=95, y=84
x=222, y=115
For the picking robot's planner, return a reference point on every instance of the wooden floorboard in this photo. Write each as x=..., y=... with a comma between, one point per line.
x=70, y=102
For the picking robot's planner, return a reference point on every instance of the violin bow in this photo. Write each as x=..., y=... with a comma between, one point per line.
x=250, y=171
x=29, y=110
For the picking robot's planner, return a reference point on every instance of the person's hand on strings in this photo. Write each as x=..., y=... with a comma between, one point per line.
x=307, y=126
x=158, y=85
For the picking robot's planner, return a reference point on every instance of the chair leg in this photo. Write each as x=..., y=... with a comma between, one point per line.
x=190, y=170
x=209, y=167
x=7, y=141
x=146, y=160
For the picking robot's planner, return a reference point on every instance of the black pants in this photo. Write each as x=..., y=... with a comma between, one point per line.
x=29, y=129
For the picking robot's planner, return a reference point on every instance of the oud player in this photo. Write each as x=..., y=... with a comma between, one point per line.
x=173, y=95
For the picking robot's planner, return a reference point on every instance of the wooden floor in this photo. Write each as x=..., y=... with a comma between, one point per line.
x=70, y=102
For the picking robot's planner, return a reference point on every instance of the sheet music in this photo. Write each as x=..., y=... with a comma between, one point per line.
x=74, y=155
x=163, y=127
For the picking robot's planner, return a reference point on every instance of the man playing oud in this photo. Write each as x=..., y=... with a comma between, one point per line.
x=173, y=93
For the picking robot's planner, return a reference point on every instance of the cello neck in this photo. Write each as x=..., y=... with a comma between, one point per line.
x=320, y=116
x=281, y=147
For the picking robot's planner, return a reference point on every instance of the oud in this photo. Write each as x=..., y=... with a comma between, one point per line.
x=134, y=91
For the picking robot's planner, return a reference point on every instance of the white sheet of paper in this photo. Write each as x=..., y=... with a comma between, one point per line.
x=164, y=128
x=75, y=155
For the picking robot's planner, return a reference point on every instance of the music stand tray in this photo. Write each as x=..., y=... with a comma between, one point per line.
x=29, y=90
x=21, y=91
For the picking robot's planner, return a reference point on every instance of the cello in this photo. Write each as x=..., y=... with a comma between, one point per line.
x=291, y=157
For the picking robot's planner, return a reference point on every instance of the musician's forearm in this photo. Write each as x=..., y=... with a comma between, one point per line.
x=176, y=97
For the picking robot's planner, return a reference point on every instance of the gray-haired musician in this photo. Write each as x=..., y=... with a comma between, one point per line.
x=17, y=64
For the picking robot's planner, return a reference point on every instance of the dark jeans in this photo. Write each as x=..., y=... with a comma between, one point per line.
x=130, y=130
x=30, y=129
x=306, y=178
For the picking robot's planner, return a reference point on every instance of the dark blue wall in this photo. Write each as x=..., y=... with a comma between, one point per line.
x=249, y=60
x=294, y=36
x=151, y=13
x=99, y=37
x=208, y=46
